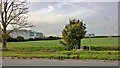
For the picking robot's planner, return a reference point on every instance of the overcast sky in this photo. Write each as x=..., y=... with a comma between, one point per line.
x=101, y=18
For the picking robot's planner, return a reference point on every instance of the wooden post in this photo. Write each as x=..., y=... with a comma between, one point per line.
x=90, y=42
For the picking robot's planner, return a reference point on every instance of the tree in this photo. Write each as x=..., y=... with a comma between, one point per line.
x=0, y=34
x=73, y=33
x=13, y=13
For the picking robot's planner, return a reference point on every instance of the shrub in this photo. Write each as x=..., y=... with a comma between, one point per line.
x=20, y=38
x=10, y=39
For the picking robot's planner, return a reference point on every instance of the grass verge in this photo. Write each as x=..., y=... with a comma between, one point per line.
x=97, y=55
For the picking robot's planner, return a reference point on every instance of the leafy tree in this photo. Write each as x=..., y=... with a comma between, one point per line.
x=13, y=14
x=73, y=33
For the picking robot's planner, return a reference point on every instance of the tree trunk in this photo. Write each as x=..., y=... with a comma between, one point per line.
x=4, y=41
x=4, y=44
x=79, y=42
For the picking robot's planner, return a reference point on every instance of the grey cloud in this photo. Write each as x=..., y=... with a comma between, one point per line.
x=100, y=18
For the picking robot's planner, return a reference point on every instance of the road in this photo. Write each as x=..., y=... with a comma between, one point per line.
x=48, y=62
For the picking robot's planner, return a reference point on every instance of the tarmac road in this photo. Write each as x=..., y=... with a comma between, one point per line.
x=48, y=62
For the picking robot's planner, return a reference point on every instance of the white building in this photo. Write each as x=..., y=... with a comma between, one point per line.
x=26, y=34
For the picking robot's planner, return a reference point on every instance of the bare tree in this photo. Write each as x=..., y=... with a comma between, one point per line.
x=13, y=14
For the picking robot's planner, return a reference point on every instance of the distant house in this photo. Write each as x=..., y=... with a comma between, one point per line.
x=26, y=34
x=90, y=35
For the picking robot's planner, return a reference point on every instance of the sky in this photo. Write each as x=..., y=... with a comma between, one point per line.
x=50, y=18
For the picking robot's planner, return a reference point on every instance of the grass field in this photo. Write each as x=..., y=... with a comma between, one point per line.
x=54, y=45
x=54, y=50
x=109, y=43
x=102, y=42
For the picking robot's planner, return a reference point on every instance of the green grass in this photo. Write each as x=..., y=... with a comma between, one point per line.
x=101, y=42
x=101, y=55
x=106, y=49
x=36, y=46
x=104, y=44
x=54, y=45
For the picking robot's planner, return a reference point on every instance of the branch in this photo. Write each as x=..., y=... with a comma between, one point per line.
x=17, y=29
x=2, y=18
x=10, y=13
x=10, y=6
x=15, y=17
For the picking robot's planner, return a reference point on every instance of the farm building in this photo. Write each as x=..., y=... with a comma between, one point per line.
x=26, y=34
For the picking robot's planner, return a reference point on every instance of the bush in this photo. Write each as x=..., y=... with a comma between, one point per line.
x=51, y=38
x=10, y=39
x=20, y=39
x=31, y=39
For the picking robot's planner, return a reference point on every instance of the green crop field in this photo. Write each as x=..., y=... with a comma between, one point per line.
x=102, y=48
